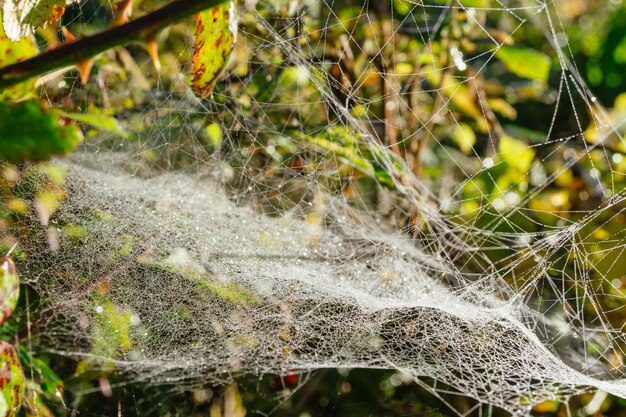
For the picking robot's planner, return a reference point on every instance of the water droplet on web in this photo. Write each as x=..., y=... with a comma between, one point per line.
x=457, y=57
x=499, y=204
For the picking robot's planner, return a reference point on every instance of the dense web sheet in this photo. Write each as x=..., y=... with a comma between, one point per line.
x=223, y=269
x=354, y=298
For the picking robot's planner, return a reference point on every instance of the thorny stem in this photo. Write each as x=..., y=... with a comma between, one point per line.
x=70, y=53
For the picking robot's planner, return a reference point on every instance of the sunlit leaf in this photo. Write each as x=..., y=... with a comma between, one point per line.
x=47, y=201
x=29, y=132
x=12, y=52
x=214, y=133
x=178, y=263
x=22, y=17
x=100, y=121
x=112, y=330
x=403, y=6
x=474, y=3
x=347, y=154
x=525, y=62
x=545, y=204
x=501, y=107
x=228, y=405
x=464, y=99
x=464, y=137
x=619, y=53
x=620, y=103
x=12, y=381
x=516, y=153
x=215, y=37
x=9, y=289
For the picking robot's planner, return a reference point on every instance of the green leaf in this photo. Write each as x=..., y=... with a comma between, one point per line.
x=464, y=137
x=215, y=37
x=403, y=6
x=619, y=53
x=12, y=381
x=29, y=132
x=516, y=154
x=10, y=53
x=214, y=133
x=112, y=330
x=524, y=62
x=9, y=289
x=620, y=103
x=474, y=3
x=127, y=245
x=22, y=17
x=49, y=381
x=100, y=121
x=228, y=291
x=345, y=152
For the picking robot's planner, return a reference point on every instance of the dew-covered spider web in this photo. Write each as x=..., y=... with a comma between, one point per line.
x=352, y=195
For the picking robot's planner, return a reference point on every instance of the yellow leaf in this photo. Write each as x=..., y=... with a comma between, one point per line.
x=547, y=407
x=516, y=153
x=214, y=132
x=464, y=136
x=503, y=108
x=10, y=53
x=620, y=103
x=46, y=203
x=215, y=38
x=525, y=62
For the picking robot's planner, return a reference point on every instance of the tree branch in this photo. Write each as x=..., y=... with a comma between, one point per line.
x=70, y=53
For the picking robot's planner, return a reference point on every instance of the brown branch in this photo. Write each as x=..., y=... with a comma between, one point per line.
x=70, y=53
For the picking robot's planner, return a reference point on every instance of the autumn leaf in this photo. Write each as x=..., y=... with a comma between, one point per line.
x=12, y=381
x=9, y=289
x=22, y=17
x=215, y=37
x=10, y=53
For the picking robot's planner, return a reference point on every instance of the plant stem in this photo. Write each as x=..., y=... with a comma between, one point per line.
x=70, y=53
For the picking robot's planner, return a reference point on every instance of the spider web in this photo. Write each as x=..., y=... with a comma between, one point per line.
x=311, y=238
